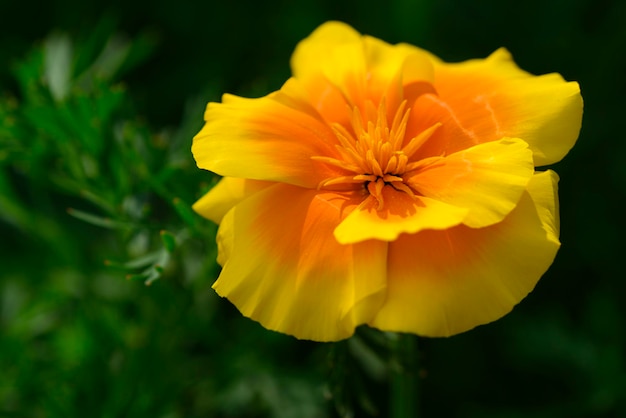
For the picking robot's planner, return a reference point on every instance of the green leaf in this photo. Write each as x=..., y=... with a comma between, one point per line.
x=185, y=212
x=111, y=58
x=58, y=65
x=148, y=276
x=98, y=220
x=169, y=241
x=98, y=200
x=137, y=263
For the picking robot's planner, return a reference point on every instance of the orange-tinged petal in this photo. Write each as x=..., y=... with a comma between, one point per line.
x=327, y=100
x=335, y=51
x=487, y=99
x=442, y=283
x=283, y=268
x=360, y=68
x=270, y=138
x=390, y=68
x=311, y=55
x=488, y=179
x=226, y=194
x=401, y=213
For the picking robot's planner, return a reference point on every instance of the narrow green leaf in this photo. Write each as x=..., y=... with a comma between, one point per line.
x=98, y=201
x=98, y=220
x=169, y=241
x=185, y=212
x=153, y=275
x=112, y=57
x=58, y=65
x=136, y=263
x=149, y=276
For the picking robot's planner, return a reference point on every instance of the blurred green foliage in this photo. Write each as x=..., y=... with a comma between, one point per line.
x=97, y=110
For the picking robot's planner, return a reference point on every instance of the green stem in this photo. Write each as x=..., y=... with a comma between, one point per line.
x=404, y=379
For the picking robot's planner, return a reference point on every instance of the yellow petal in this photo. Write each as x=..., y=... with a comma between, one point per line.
x=226, y=194
x=401, y=214
x=544, y=190
x=487, y=99
x=311, y=54
x=362, y=68
x=283, y=268
x=488, y=179
x=335, y=52
x=442, y=283
x=270, y=138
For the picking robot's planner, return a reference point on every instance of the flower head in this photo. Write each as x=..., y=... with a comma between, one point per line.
x=383, y=186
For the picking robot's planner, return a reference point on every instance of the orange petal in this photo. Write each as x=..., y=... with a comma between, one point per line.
x=401, y=213
x=392, y=67
x=446, y=282
x=488, y=179
x=327, y=99
x=283, y=268
x=271, y=138
x=226, y=194
x=486, y=99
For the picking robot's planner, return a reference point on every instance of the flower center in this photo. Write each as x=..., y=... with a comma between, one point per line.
x=374, y=154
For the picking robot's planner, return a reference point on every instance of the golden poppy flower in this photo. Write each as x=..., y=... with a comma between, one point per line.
x=383, y=186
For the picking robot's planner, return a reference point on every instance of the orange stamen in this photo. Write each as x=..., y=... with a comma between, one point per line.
x=372, y=152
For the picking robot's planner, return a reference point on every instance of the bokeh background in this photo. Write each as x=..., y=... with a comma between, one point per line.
x=98, y=105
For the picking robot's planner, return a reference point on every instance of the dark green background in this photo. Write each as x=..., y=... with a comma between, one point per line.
x=76, y=339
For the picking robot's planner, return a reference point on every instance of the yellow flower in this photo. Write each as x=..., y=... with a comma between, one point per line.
x=383, y=186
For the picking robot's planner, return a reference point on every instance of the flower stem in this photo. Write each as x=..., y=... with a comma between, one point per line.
x=404, y=378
